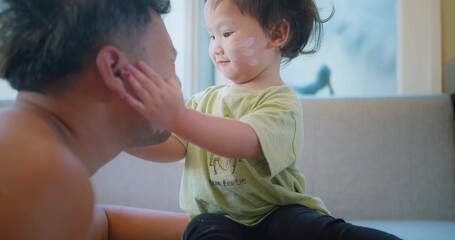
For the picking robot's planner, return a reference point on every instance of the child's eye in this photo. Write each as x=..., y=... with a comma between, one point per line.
x=212, y=37
x=227, y=34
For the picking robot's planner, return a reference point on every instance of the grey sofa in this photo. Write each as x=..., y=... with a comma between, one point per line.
x=386, y=163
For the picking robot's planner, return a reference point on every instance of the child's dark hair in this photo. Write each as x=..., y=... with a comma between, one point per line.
x=302, y=16
x=43, y=40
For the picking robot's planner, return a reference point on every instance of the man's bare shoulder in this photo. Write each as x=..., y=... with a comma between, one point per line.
x=45, y=192
x=27, y=139
x=17, y=123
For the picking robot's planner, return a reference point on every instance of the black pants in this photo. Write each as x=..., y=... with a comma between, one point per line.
x=285, y=223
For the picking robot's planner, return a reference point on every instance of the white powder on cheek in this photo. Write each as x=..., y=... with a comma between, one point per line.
x=242, y=50
x=254, y=62
x=247, y=43
x=246, y=50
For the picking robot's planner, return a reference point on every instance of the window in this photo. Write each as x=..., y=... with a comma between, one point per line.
x=409, y=62
x=373, y=48
x=6, y=92
x=358, y=52
x=418, y=68
x=186, y=26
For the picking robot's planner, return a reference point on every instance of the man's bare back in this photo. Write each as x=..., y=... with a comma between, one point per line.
x=46, y=189
x=70, y=117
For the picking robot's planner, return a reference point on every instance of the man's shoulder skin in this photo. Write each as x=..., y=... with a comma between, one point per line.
x=40, y=179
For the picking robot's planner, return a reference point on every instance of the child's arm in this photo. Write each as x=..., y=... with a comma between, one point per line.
x=169, y=151
x=223, y=136
x=162, y=101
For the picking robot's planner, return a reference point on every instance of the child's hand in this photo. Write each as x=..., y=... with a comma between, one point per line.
x=155, y=98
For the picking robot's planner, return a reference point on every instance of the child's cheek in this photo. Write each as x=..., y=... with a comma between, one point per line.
x=243, y=51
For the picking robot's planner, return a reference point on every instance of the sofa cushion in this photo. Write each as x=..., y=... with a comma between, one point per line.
x=415, y=230
x=381, y=158
x=130, y=181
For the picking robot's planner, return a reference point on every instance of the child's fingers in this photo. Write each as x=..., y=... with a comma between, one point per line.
x=140, y=83
x=135, y=71
x=150, y=73
x=135, y=104
x=142, y=92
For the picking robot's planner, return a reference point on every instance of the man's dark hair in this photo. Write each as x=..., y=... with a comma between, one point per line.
x=45, y=40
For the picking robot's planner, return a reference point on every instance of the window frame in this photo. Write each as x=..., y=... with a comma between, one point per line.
x=419, y=58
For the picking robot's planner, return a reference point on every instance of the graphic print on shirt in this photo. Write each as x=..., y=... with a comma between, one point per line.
x=222, y=171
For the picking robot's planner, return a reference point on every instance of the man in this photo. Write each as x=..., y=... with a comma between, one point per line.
x=65, y=57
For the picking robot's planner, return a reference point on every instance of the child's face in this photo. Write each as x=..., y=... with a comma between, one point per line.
x=238, y=44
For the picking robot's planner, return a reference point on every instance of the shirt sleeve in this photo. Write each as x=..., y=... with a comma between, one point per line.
x=278, y=123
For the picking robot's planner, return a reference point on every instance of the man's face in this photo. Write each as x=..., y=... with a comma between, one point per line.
x=159, y=53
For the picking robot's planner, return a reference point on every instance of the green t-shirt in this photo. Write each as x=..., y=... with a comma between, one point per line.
x=247, y=190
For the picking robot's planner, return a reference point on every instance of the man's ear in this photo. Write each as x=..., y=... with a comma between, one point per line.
x=110, y=61
x=279, y=34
